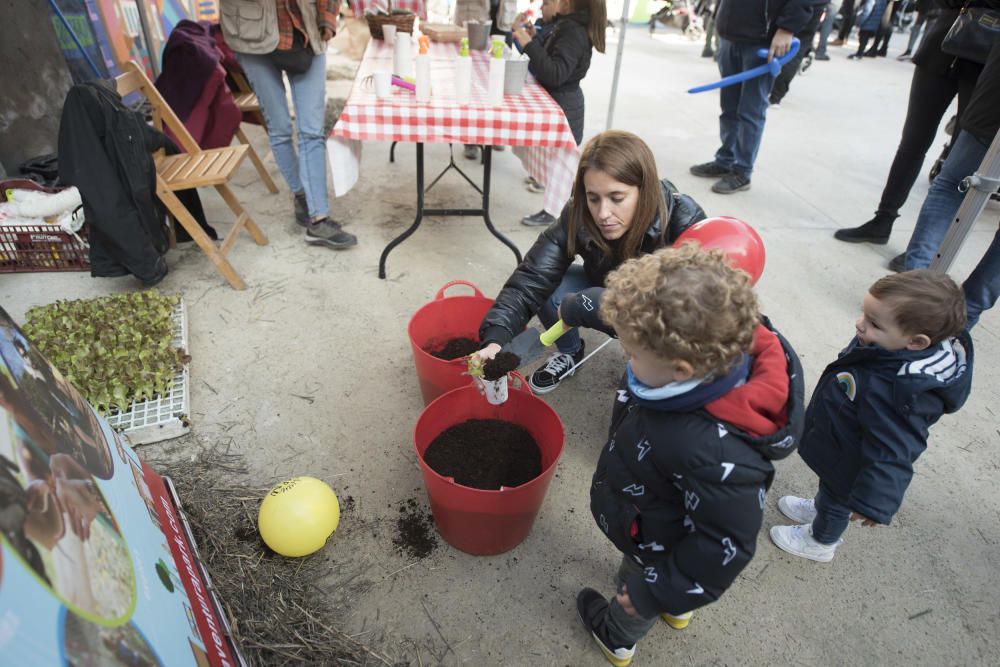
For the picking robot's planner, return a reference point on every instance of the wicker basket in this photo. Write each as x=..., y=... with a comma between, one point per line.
x=403, y=20
x=34, y=248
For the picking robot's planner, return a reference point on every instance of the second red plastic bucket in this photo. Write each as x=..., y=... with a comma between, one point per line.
x=481, y=522
x=433, y=325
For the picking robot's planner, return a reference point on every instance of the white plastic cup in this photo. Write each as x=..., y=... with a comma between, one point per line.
x=389, y=34
x=383, y=84
x=494, y=390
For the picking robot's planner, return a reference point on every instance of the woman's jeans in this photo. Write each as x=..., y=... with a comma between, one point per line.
x=574, y=281
x=832, y=516
x=305, y=171
x=943, y=201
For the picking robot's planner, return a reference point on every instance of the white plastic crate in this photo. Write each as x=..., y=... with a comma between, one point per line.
x=166, y=416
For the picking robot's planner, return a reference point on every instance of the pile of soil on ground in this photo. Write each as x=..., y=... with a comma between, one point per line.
x=456, y=348
x=415, y=535
x=485, y=454
x=500, y=365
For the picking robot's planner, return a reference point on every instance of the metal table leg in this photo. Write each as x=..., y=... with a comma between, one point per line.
x=483, y=212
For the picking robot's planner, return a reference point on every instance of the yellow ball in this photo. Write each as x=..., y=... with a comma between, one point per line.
x=298, y=516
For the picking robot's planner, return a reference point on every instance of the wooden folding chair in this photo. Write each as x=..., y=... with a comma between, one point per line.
x=247, y=102
x=193, y=169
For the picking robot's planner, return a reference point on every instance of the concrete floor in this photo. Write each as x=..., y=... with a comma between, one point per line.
x=316, y=323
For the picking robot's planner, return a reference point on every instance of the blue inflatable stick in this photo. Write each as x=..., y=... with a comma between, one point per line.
x=772, y=68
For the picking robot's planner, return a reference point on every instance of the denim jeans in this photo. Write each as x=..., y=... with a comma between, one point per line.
x=832, y=516
x=574, y=281
x=305, y=171
x=982, y=287
x=943, y=200
x=625, y=630
x=791, y=68
x=744, y=107
x=827, y=27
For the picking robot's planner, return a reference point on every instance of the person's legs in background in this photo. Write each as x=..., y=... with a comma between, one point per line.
x=309, y=97
x=269, y=85
x=729, y=101
x=825, y=29
x=915, y=31
x=982, y=287
x=791, y=68
x=863, y=37
x=750, y=116
x=943, y=200
x=846, y=24
x=930, y=96
x=881, y=45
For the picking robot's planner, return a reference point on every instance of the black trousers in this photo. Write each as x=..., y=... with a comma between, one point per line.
x=791, y=68
x=930, y=96
x=847, y=13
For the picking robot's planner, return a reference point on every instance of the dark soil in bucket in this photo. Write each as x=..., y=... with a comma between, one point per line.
x=500, y=365
x=456, y=348
x=415, y=534
x=485, y=454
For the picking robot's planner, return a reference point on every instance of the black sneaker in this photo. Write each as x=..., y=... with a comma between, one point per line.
x=329, y=233
x=731, y=183
x=301, y=209
x=875, y=231
x=710, y=169
x=898, y=263
x=540, y=219
x=593, y=610
x=822, y=56
x=559, y=367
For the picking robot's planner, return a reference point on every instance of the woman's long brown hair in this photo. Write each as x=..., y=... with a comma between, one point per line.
x=626, y=158
x=597, y=21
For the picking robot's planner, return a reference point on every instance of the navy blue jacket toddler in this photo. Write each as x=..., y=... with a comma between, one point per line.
x=681, y=483
x=868, y=419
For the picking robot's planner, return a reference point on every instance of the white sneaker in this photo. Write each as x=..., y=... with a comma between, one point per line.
x=800, y=510
x=798, y=541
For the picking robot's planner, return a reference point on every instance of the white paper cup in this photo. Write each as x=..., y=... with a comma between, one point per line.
x=389, y=33
x=494, y=390
x=383, y=84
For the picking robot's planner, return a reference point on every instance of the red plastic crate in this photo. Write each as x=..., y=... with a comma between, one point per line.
x=34, y=248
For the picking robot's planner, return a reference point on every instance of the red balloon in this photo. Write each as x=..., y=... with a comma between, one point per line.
x=736, y=238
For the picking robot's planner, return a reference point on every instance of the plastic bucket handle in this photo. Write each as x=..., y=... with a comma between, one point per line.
x=477, y=292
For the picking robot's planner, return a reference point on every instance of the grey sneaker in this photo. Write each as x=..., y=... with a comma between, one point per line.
x=471, y=152
x=710, y=170
x=800, y=510
x=329, y=233
x=540, y=219
x=301, y=209
x=731, y=183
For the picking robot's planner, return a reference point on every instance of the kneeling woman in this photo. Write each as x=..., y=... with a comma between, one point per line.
x=620, y=209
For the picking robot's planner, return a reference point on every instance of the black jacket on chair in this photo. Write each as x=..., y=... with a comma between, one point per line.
x=545, y=265
x=105, y=150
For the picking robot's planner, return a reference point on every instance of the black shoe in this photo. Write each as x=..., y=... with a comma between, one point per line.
x=821, y=56
x=710, y=170
x=159, y=273
x=875, y=231
x=593, y=611
x=883, y=52
x=871, y=53
x=707, y=53
x=301, y=209
x=471, y=152
x=540, y=219
x=329, y=233
x=731, y=183
x=905, y=55
x=559, y=367
x=855, y=56
x=898, y=263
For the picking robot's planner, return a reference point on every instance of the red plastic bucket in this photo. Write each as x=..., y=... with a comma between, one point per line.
x=433, y=325
x=480, y=522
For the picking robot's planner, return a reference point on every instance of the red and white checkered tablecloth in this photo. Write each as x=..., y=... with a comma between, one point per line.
x=418, y=7
x=531, y=122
